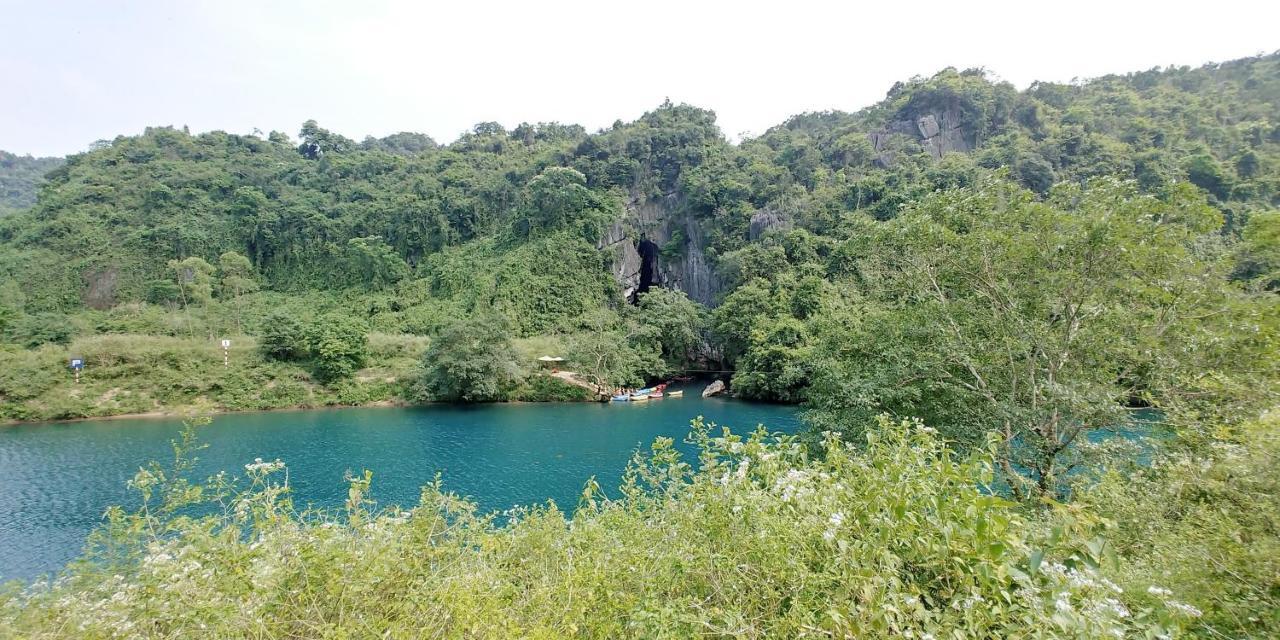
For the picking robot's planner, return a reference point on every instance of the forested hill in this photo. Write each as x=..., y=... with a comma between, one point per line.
x=328, y=212
x=20, y=178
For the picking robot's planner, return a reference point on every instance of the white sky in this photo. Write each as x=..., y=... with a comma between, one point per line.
x=75, y=72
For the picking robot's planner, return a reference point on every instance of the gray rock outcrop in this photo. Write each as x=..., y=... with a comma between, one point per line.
x=684, y=267
x=713, y=388
x=764, y=220
x=938, y=132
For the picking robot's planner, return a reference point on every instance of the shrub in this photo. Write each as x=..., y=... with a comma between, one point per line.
x=43, y=328
x=1206, y=524
x=545, y=388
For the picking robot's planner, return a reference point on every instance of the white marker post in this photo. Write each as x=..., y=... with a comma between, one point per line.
x=76, y=365
x=226, y=360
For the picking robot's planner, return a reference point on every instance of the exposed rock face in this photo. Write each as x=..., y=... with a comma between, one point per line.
x=713, y=388
x=684, y=267
x=764, y=220
x=938, y=132
x=100, y=288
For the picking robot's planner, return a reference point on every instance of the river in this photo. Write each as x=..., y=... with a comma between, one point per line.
x=56, y=480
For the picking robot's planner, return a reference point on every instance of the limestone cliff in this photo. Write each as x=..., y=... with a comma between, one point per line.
x=938, y=131
x=681, y=264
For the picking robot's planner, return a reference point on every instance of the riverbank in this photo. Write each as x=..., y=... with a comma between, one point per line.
x=130, y=375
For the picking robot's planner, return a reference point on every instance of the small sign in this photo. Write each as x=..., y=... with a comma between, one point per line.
x=77, y=363
x=226, y=344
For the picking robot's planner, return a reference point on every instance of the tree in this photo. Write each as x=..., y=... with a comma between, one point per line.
x=1259, y=254
x=194, y=278
x=375, y=263
x=317, y=142
x=471, y=360
x=558, y=199
x=611, y=353
x=779, y=363
x=43, y=328
x=985, y=311
x=676, y=321
x=339, y=345
x=282, y=337
x=236, y=274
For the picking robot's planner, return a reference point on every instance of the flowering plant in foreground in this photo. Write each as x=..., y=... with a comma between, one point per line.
x=756, y=539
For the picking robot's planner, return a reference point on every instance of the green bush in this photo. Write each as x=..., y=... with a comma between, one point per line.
x=544, y=388
x=43, y=328
x=1204, y=524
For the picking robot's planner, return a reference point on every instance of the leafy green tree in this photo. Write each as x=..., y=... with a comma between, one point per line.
x=164, y=292
x=677, y=322
x=471, y=360
x=339, y=345
x=235, y=273
x=987, y=312
x=558, y=199
x=318, y=142
x=11, y=306
x=376, y=263
x=611, y=352
x=779, y=364
x=1258, y=257
x=1035, y=173
x=194, y=278
x=734, y=321
x=282, y=337
x=1207, y=173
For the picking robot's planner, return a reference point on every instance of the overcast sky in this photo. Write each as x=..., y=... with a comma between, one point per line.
x=75, y=72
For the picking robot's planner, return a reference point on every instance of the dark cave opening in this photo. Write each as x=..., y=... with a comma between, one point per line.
x=648, y=267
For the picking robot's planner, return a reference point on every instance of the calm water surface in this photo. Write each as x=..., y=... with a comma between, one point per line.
x=57, y=479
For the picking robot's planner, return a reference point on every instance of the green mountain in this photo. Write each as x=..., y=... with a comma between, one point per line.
x=329, y=213
x=547, y=230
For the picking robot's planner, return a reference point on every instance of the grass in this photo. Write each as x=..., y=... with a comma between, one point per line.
x=127, y=374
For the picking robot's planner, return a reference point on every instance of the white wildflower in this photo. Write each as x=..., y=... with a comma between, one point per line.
x=258, y=466
x=1063, y=602
x=1159, y=592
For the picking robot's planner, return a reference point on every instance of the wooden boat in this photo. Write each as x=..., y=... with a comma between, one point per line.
x=621, y=398
x=638, y=398
x=675, y=394
x=656, y=394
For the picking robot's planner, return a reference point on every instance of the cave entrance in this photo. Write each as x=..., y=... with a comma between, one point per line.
x=648, y=267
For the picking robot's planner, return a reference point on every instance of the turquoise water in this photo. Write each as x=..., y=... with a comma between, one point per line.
x=57, y=479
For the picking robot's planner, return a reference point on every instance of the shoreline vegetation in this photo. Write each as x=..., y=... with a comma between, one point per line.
x=898, y=537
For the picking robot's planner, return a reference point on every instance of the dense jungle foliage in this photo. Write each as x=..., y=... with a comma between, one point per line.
x=1018, y=270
